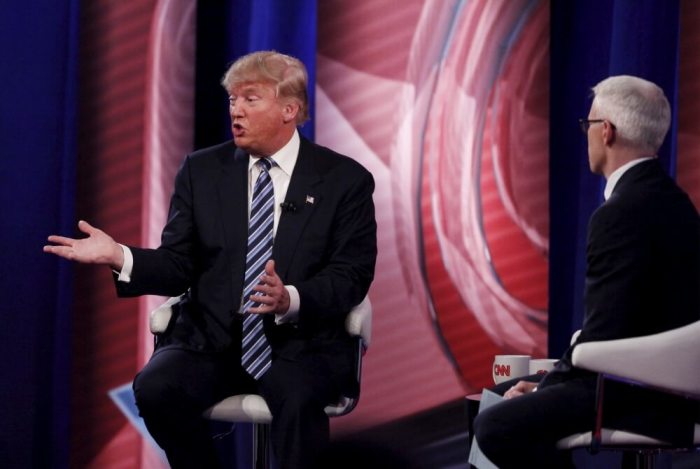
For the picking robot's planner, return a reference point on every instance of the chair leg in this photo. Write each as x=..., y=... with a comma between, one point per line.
x=261, y=446
x=645, y=460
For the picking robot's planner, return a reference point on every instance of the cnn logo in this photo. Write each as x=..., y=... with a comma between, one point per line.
x=501, y=370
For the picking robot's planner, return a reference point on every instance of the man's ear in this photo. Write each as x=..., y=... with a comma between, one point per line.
x=290, y=109
x=609, y=133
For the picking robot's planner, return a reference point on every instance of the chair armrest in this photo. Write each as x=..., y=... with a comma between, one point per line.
x=159, y=318
x=574, y=337
x=667, y=360
x=359, y=321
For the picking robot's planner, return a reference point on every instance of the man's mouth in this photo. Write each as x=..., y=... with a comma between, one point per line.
x=238, y=129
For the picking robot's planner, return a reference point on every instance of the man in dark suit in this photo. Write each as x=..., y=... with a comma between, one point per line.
x=642, y=276
x=320, y=265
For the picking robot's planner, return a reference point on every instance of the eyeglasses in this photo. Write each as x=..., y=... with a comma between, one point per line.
x=586, y=123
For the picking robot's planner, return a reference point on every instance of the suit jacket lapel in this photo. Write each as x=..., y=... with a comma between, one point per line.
x=233, y=202
x=304, y=196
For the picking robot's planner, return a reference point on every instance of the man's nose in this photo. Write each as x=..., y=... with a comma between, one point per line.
x=235, y=108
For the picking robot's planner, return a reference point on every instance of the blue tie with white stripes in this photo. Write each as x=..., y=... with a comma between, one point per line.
x=255, y=351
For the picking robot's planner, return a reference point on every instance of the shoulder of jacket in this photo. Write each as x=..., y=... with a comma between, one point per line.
x=330, y=161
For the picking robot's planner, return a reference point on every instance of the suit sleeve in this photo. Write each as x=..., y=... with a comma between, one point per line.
x=167, y=270
x=344, y=279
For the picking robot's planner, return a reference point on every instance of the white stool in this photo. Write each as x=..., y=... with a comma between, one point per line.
x=252, y=408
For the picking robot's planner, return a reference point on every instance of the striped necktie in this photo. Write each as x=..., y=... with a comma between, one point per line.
x=255, y=351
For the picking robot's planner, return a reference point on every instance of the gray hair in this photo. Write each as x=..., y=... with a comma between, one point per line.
x=286, y=73
x=636, y=107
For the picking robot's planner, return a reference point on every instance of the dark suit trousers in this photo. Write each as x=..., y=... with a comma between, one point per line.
x=177, y=385
x=523, y=431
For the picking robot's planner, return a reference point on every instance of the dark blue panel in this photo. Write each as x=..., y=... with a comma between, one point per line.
x=645, y=38
x=287, y=26
x=228, y=30
x=580, y=39
x=38, y=53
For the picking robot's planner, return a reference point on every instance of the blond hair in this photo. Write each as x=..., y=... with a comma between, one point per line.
x=286, y=73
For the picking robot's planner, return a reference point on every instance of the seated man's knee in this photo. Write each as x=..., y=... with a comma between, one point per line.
x=152, y=393
x=490, y=431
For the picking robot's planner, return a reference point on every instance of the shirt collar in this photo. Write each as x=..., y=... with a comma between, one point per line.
x=285, y=158
x=617, y=174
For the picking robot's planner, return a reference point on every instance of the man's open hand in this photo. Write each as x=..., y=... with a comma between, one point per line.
x=97, y=248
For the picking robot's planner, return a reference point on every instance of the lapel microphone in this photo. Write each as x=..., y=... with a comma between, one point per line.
x=288, y=207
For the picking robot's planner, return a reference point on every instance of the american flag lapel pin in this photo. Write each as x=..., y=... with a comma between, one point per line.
x=309, y=199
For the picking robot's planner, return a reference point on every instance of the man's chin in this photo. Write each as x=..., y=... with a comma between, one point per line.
x=241, y=143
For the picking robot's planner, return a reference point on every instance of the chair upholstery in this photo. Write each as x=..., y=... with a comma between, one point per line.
x=159, y=318
x=240, y=408
x=666, y=361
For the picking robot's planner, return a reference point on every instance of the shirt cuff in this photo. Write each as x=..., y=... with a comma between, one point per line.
x=125, y=274
x=292, y=314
